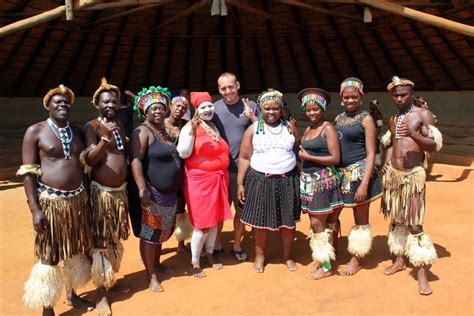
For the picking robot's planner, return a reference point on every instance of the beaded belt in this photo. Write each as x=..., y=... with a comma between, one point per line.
x=47, y=190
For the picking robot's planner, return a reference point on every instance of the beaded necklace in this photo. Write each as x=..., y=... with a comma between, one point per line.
x=118, y=138
x=65, y=136
x=211, y=130
x=272, y=129
x=169, y=128
x=401, y=118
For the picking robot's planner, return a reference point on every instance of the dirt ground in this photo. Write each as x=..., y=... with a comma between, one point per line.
x=237, y=290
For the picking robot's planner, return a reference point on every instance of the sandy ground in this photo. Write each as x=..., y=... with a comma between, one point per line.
x=238, y=290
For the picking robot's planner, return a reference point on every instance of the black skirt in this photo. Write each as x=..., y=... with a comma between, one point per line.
x=271, y=202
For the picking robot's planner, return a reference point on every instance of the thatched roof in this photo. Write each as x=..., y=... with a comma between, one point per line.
x=282, y=44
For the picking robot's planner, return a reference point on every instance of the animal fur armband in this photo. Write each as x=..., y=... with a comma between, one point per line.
x=386, y=140
x=83, y=159
x=29, y=168
x=434, y=133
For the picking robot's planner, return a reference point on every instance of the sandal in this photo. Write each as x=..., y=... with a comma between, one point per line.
x=240, y=255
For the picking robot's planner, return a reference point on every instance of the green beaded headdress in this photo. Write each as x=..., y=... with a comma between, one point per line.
x=149, y=96
x=264, y=97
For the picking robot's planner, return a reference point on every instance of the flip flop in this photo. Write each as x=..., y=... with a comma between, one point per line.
x=240, y=256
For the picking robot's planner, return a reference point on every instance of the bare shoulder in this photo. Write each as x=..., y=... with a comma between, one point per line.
x=35, y=129
x=425, y=115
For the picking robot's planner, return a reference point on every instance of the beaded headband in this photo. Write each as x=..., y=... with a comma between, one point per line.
x=61, y=89
x=270, y=95
x=149, y=96
x=314, y=98
x=396, y=81
x=352, y=83
x=104, y=86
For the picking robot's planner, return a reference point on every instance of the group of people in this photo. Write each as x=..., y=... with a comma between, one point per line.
x=82, y=185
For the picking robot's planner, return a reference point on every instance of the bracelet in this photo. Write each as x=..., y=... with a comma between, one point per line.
x=106, y=139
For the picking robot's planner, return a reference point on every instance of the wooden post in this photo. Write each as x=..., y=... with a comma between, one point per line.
x=69, y=10
x=44, y=17
x=421, y=16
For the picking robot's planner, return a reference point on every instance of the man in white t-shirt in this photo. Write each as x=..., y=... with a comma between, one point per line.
x=233, y=115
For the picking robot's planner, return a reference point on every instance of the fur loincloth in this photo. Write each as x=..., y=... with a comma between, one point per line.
x=404, y=195
x=109, y=214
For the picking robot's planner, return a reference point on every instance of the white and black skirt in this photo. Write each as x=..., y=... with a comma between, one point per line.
x=271, y=201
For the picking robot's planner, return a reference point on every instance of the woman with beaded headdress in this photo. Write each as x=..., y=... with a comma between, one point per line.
x=157, y=170
x=319, y=184
x=267, y=179
x=359, y=181
x=206, y=180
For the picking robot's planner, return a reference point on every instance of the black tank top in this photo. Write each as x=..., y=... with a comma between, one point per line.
x=352, y=137
x=163, y=167
x=316, y=147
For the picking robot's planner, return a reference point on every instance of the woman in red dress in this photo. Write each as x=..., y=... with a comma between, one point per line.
x=206, y=179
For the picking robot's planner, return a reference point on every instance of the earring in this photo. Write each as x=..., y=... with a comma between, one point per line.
x=342, y=103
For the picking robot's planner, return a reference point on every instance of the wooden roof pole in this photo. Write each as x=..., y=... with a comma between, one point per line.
x=44, y=17
x=420, y=16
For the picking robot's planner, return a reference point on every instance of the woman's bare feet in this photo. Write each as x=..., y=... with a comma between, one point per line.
x=352, y=267
x=291, y=265
x=398, y=265
x=103, y=307
x=74, y=300
x=213, y=262
x=424, y=287
x=319, y=273
x=197, y=271
x=259, y=264
x=155, y=285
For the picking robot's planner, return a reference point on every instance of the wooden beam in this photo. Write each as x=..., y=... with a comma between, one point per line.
x=151, y=52
x=276, y=58
x=31, y=60
x=289, y=44
x=328, y=52
x=326, y=11
x=371, y=59
x=122, y=14
x=50, y=65
x=258, y=61
x=131, y=55
x=414, y=57
x=15, y=50
x=168, y=61
x=454, y=51
x=78, y=51
x=204, y=65
x=346, y=49
x=222, y=41
x=305, y=40
x=69, y=9
x=266, y=15
x=126, y=3
x=435, y=55
x=238, y=31
x=420, y=16
x=115, y=48
x=44, y=17
x=188, y=50
x=386, y=52
x=85, y=78
x=182, y=14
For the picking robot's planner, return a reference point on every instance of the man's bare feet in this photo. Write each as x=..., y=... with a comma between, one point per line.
x=319, y=273
x=424, y=287
x=259, y=264
x=163, y=268
x=398, y=265
x=155, y=285
x=103, y=307
x=352, y=267
x=291, y=265
x=74, y=300
x=120, y=287
x=182, y=248
x=313, y=266
x=197, y=271
x=213, y=262
x=48, y=312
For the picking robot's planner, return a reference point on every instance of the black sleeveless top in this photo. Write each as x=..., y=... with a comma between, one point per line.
x=316, y=147
x=163, y=167
x=352, y=137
